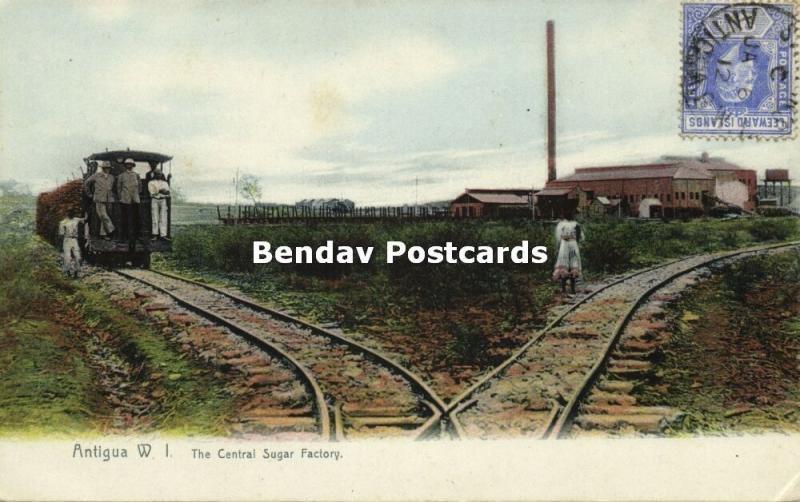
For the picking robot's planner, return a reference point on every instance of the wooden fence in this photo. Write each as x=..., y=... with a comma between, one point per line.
x=259, y=215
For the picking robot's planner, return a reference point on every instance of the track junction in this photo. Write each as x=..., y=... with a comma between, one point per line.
x=571, y=376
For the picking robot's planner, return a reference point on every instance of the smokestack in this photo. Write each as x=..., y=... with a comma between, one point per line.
x=551, y=103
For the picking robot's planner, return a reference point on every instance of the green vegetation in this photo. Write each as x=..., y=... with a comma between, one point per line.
x=619, y=246
x=377, y=284
x=190, y=400
x=731, y=366
x=435, y=318
x=68, y=356
x=188, y=213
x=609, y=247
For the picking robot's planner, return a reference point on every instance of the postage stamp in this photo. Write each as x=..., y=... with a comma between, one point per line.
x=738, y=69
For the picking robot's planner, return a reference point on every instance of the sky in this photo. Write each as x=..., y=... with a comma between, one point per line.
x=376, y=101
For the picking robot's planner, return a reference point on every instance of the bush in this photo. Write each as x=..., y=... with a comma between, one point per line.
x=774, y=212
x=469, y=344
x=765, y=230
x=607, y=247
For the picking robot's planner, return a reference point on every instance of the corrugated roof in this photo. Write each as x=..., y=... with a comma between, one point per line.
x=710, y=163
x=518, y=191
x=680, y=170
x=553, y=191
x=499, y=198
x=497, y=195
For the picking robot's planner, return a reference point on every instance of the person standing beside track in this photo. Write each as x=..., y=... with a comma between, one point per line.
x=100, y=187
x=68, y=231
x=568, y=261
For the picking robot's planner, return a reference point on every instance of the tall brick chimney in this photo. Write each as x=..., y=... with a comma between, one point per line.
x=551, y=103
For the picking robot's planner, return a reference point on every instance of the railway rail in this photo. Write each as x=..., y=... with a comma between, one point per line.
x=538, y=391
x=357, y=391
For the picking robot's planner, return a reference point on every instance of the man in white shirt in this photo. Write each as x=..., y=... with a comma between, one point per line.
x=68, y=230
x=158, y=188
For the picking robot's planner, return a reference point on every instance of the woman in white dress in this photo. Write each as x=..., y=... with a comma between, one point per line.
x=568, y=256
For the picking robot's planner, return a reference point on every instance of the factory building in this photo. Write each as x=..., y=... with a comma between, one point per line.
x=492, y=203
x=673, y=187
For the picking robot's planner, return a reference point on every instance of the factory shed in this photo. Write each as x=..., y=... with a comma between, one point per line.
x=553, y=203
x=682, y=188
x=603, y=207
x=729, y=174
x=492, y=203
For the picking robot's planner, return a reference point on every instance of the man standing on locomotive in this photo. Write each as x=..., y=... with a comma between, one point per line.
x=159, y=192
x=128, y=187
x=151, y=174
x=100, y=187
x=68, y=231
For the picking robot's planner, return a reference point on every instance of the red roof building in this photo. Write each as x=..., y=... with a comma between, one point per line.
x=491, y=202
x=681, y=186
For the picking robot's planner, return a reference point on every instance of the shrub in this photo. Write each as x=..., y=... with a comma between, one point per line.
x=765, y=230
x=469, y=343
x=607, y=247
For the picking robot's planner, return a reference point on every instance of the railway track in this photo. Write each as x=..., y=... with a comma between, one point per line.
x=539, y=390
x=357, y=391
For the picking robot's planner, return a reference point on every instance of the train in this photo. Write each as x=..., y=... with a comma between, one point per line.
x=54, y=205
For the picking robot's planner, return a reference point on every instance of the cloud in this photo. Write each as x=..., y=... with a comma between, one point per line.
x=105, y=11
x=257, y=113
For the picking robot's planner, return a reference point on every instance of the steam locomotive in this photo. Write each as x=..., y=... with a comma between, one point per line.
x=54, y=205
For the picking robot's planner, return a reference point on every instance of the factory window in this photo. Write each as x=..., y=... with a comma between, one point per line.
x=669, y=197
x=677, y=196
x=691, y=195
x=697, y=196
x=683, y=195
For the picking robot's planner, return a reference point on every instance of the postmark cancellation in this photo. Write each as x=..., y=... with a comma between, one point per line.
x=739, y=69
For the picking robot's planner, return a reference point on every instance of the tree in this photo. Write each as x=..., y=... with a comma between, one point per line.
x=250, y=188
x=178, y=197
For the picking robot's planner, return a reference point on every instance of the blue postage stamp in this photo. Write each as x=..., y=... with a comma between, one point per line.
x=738, y=69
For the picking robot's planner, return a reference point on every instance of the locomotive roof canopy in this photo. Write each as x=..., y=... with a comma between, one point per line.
x=136, y=155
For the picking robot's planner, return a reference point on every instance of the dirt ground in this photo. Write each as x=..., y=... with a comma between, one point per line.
x=733, y=363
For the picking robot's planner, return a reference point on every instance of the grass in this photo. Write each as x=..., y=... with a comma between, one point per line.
x=349, y=294
x=193, y=400
x=45, y=382
x=734, y=369
x=435, y=318
x=60, y=341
